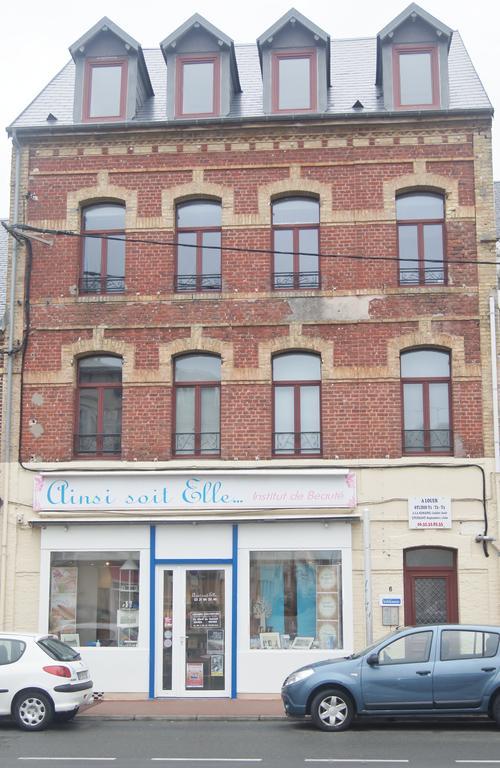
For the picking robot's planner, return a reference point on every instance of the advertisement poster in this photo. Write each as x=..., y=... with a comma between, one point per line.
x=429, y=512
x=194, y=675
x=63, y=593
x=215, y=641
x=217, y=665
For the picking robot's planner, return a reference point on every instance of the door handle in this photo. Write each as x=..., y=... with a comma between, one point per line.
x=424, y=672
x=488, y=669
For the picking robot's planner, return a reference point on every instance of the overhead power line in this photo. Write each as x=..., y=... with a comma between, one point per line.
x=238, y=249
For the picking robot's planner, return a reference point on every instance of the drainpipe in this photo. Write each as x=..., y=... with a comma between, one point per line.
x=494, y=380
x=368, y=576
x=7, y=425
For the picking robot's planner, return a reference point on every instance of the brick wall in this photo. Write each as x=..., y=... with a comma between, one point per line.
x=358, y=321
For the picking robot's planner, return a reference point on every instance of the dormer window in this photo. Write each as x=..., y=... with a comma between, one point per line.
x=412, y=61
x=198, y=86
x=294, y=81
x=105, y=89
x=416, y=76
x=202, y=71
x=111, y=78
x=295, y=62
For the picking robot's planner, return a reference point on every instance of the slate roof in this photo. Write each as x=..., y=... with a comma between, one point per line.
x=353, y=68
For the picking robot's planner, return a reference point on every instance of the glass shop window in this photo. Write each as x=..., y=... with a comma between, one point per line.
x=94, y=598
x=296, y=600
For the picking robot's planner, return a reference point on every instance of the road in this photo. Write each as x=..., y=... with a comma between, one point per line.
x=269, y=744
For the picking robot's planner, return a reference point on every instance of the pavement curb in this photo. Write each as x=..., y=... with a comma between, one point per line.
x=180, y=718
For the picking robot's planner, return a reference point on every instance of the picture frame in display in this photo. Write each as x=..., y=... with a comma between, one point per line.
x=270, y=640
x=302, y=643
x=72, y=639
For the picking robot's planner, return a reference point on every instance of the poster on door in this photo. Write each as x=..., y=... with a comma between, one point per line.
x=194, y=675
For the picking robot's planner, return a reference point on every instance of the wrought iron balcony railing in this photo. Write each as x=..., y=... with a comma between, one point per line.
x=97, y=444
x=98, y=284
x=196, y=443
x=427, y=441
x=294, y=281
x=431, y=276
x=195, y=283
x=296, y=443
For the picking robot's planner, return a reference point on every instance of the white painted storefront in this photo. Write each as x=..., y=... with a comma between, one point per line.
x=205, y=585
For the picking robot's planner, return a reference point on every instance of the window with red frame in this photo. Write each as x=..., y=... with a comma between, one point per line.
x=416, y=76
x=421, y=239
x=105, y=89
x=297, y=408
x=99, y=408
x=197, y=405
x=294, y=81
x=296, y=243
x=199, y=246
x=197, y=86
x=426, y=387
x=103, y=258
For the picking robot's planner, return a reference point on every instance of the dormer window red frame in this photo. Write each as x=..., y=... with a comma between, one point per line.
x=91, y=65
x=398, y=52
x=299, y=54
x=185, y=61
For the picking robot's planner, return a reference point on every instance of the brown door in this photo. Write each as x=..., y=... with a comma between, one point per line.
x=430, y=584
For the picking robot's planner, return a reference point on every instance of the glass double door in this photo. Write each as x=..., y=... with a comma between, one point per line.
x=193, y=649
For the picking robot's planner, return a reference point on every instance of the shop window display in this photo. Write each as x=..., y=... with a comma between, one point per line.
x=295, y=600
x=94, y=598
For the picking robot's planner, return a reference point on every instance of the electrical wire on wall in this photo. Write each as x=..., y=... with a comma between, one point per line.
x=21, y=232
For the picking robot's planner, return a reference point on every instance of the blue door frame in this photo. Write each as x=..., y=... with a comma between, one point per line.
x=153, y=562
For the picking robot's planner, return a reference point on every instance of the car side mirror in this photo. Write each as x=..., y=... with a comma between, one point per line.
x=372, y=659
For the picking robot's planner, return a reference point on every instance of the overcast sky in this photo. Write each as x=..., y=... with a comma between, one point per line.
x=36, y=36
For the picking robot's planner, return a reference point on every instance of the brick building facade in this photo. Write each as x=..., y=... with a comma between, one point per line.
x=202, y=429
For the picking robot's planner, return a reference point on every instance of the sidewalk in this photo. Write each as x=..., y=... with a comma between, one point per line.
x=185, y=709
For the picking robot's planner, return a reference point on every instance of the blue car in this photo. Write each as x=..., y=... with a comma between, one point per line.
x=425, y=671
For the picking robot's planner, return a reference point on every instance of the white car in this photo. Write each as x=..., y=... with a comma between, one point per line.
x=41, y=679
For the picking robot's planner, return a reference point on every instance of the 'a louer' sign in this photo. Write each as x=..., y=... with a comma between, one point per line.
x=195, y=491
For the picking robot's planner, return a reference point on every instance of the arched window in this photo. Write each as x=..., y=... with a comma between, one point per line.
x=426, y=384
x=197, y=405
x=296, y=243
x=99, y=409
x=420, y=217
x=297, y=409
x=103, y=259
x=199, y=246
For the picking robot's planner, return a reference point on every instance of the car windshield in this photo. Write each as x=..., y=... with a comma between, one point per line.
x=58, y=650
x=374, y=645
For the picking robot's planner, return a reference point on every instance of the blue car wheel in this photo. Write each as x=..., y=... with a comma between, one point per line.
x=332, y=710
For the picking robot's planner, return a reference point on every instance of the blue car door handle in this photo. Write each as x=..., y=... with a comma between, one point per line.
x=423, y=672
x=488, y=669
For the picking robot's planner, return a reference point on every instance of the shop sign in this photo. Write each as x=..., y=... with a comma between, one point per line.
x=429, y=512
x=208, y=491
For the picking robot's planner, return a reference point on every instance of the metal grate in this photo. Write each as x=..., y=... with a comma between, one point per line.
x=430, y=601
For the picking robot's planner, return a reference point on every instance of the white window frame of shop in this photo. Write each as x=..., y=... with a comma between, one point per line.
x=106, y=663
x=263, y=671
